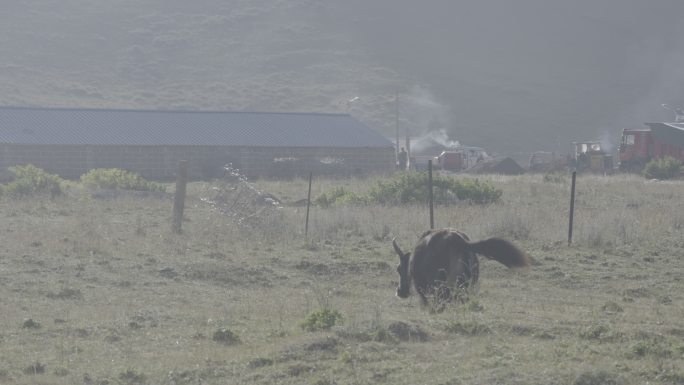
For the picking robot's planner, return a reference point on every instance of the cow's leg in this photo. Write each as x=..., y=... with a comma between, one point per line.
x=442, y=287
x=458, y=276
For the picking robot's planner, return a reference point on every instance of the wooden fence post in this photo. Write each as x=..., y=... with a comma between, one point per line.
x=572, y=207
x=430, y=196
x=179, y=196
x=308, y=204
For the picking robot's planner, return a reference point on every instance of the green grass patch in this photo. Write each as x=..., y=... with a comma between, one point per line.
x=663, y=168
x=322, y=319
x=30, y=180
x=116, y=178
x=412, y=187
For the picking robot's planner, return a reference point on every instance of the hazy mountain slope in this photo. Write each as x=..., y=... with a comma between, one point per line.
x=509, y=76
x=249, y=55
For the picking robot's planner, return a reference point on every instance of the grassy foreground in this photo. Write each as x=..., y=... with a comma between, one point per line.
x=96, y=289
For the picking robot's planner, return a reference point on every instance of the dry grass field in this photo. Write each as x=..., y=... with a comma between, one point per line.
x=97, y=289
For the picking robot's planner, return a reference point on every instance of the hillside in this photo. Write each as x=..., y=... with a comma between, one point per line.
x=519, y=77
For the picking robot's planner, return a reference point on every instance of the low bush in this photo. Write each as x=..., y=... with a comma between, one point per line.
x=30, y=180
x=339, y=196
x=653, y=348
x=322, y=319
x=226, y=337
x=663, y=168
x=475, y=191
x=599, y=332
x=116, y=178
x=411, y=187
x=30, y=324
x=554, y=177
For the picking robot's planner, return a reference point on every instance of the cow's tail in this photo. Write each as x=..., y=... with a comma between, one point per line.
x=501, y=251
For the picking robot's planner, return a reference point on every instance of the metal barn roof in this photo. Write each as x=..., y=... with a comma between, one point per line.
x=61, y=126
x=672, y=133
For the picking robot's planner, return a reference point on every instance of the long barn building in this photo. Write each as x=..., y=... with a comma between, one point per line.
x=69, y=142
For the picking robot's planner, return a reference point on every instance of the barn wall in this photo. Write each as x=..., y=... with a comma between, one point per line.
x=161, y=162
x=288, y=162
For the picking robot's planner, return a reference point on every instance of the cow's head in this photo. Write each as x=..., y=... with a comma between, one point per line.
x=404, y=287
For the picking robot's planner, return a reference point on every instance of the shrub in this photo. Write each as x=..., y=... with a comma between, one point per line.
x=663, y=168
x=411, y=187
x=640, y=348
x=599, y=332
x=30, y=180
x=594, y=332
x=554, y=177
x=116, y=178
x=476, y=191
x=643, y=348
x=226, y=337
x=338, y=196
x=30, y=324
x=322, y=319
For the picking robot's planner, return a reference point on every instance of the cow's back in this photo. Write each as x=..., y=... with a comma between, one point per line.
x=442, y=255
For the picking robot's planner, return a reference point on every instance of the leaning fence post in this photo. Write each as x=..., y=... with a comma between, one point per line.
x=179, y=196
x=308, y=204
x=430, y=197
x=572, y=207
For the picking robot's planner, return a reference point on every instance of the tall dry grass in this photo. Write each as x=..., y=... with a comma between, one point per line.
x=119, y=298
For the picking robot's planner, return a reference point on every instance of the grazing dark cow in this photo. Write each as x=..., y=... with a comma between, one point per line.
x=446, y=259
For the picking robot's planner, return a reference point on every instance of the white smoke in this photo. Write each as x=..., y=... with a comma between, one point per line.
x=606, y=139
x=422, y=113
x=426, y=120
x=432, y=139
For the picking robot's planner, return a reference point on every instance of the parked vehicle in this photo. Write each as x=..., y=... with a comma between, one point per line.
x=461, y=158
x=451, y=161
x=658, y=140
x=590, y=156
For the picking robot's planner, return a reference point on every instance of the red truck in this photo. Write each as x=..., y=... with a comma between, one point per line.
x=656, y=141
x=461, y=158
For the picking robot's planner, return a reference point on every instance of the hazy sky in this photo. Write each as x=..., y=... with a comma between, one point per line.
x=601, y=63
